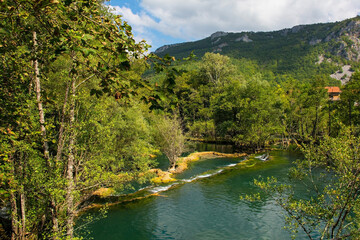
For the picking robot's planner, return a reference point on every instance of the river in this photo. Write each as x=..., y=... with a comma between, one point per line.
x=203, y=204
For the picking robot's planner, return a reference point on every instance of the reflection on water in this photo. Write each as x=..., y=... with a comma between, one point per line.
x=204, y=205
x=222, y=148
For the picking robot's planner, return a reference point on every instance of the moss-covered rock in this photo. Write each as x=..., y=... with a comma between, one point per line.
x=161, y=176
x=104, y=192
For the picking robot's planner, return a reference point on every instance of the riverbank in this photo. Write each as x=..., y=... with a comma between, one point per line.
x=165, y=180
x=105, y=196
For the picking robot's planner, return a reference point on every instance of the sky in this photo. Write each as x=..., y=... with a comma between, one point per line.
x=162, y=22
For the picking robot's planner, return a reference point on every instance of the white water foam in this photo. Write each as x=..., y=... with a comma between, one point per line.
x=263, y=157
x=231, y=165
x=165, y=188
x=142, y=188
x=161, y=188
x=203, y=176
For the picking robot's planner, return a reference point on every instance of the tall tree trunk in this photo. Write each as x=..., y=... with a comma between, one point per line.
x=314, y=131
x=23, y=216
x=14, y=217
x=13, y=203
x=39, y=102
x=71, y=159
x=350, y=114
x=43, y=130
x=62, y=127
x=329, y=131
x=22, y=166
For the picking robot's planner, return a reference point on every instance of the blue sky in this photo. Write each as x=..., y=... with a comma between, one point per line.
x=151, y=34
x=162, y=22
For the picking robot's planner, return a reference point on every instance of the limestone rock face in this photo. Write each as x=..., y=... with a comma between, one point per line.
x=218, y=34
x=348, y=39
x=244, y=38
x=165, y=47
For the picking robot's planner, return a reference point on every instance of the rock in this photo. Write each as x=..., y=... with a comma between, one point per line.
x=344, y=76
x=218, y=34
x=244, y=38
x=165, y=47
x=297, y=29
x=314, y=42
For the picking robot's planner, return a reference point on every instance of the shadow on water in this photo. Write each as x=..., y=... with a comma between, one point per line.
x=205, y=147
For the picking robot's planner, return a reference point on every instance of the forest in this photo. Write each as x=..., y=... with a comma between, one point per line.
x=84, y=106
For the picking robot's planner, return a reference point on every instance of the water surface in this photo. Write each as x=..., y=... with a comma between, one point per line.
x=204, y=204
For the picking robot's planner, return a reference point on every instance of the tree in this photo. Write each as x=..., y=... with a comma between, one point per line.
x=216, y=68
x=247, y=112
x=350, y=101
x=170, y=138
x=41, y=136
x=331, y=171
x=304, y=109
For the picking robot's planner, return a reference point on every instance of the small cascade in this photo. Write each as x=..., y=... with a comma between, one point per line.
x=202, y=176
x=159, y=189
x=263, y=157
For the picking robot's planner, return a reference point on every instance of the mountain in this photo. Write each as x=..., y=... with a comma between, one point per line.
x=283, y=50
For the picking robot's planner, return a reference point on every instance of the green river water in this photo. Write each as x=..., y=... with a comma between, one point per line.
x=204, y=204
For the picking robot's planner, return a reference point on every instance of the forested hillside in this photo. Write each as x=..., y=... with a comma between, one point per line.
x=294, y=50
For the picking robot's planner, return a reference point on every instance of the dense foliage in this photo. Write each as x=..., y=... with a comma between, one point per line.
x=79, y=110
x=330, y=172
x=237, y=101
x=63, y=134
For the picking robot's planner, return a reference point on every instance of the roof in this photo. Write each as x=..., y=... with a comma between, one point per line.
x=333, y=89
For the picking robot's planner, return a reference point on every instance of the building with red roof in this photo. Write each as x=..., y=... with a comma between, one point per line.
x=334, y=93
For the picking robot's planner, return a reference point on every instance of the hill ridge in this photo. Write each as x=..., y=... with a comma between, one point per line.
x=337, y=38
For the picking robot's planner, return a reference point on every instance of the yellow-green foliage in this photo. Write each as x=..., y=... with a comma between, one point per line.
x=159, y=180
x=104, y=192
x=161, y=177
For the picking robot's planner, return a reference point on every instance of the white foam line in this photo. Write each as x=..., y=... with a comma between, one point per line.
x=232, y=165
x=165, y=188
x=142, y=188
x=161, y=188
x=203, y=176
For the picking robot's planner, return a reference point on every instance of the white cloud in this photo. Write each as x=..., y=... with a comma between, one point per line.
x=140, y=21
x=194, y=19
x=199, y=18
